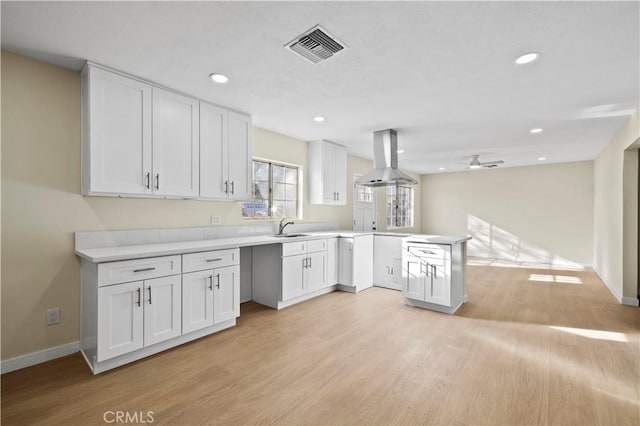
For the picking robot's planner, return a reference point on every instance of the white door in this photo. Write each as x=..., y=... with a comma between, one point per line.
x=240, y=156
x=197, y=300
x=340, y=173
x=364, y=206
x=120, y=134
x=316, y=271
x=293, y=271
x=214, y=164
x=176, y=144
x=120, y=319
x=226, y=293
x=345, y=276
x=415, y=277
x=438, y=288
x=329, y=194
x=162, y=309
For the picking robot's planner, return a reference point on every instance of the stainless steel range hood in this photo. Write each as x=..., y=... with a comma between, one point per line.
x=385, y=162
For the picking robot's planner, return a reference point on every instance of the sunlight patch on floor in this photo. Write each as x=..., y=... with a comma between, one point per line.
x=593, y=334
x=564, y=279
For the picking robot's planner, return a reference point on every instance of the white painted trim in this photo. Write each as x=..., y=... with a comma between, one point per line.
x=613, y=291
x=630, y=301
x=39, y=357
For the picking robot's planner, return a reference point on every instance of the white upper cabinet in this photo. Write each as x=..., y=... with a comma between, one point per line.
x=226, y=151
x=144, y=140
x=327, y=173
x=176, y=140
x=116, y=129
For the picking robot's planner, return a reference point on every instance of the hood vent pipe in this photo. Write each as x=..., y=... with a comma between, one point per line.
x=385, y=162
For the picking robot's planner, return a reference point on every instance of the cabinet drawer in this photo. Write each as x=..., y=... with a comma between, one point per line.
x=138, y=269
x=316, y=245
x=432, y=251
x=292, y=249
x=210, y=259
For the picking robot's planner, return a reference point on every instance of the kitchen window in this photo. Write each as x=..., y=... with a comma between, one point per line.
x=275, y=191
x=399, y=206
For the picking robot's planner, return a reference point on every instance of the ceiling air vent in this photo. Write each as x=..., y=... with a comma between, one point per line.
x=315, y=45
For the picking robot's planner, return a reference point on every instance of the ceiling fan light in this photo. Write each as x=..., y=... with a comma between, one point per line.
x=475, y=166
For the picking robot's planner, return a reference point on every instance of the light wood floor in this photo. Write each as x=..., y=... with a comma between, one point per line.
x=368, y=359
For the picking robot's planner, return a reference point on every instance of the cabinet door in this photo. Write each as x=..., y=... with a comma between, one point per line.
x=329, y=195
x=119, y=134
x=438, y=288
x=226, y=293
x=340, y=174
x=240, y=156
x=120, y=319
x=162, y=309
x=293, y=271
x=214, y=136
x=316, y=274
x=332, y=261
x=382, y=260
x=415, y=280
x=197, y=300
x=176, y=144
x=345, y=276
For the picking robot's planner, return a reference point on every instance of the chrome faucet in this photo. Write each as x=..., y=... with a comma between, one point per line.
x=281, y=227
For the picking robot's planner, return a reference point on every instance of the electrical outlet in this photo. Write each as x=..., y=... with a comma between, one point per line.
x=215, y=220
x=53, y=316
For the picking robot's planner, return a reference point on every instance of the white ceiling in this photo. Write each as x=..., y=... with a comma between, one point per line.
x=441, y=73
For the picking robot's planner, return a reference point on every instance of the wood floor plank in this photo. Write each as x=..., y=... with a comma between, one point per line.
x=532, y=346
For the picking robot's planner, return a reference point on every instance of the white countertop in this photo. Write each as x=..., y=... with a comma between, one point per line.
x=110, y=254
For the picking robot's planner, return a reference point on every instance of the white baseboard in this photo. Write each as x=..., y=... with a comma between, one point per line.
x=623, y=300
x=630, y=301
x=38, y=357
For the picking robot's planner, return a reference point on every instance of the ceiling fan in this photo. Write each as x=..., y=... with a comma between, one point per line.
x=476, y=164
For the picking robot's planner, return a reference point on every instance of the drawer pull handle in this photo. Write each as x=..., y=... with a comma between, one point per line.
x=428, y=251
x=210, y=277
x=149, y=294
x=144, y=269
x=138, y=296
x=218, y=279
x=217, y=259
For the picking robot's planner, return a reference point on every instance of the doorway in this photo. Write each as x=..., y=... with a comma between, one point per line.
x=364, y=206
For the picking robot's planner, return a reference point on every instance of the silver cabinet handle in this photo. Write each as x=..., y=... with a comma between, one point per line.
x=218, y=280
x=304, y=263
x=428, y=251
x=148, y=180
x=391, y=270
x=233, y=186
x=138, y=296
x=149, y=288
x=433, y=271
x=157, y=181
x=144, y=269
x=310, y=266
x=226, y=186
x=427, y=267
x=210, y=277
x=217, y=259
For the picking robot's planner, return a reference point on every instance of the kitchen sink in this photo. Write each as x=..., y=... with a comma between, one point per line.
x=289, y=235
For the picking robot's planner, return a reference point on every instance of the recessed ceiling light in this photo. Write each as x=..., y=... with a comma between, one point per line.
x=441, y=168
x=400, y=151
x=219, y=78
x=318, y=118
x=536, y=130
x=527, y=58
x=542, y=158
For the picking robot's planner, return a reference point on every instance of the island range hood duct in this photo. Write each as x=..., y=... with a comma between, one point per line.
x=385, y=162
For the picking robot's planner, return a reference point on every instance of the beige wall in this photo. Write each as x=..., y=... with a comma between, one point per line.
x=615, y=212
x=42, y=206
x=533, y=214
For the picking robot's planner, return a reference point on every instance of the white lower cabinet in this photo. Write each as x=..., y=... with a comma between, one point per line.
x=137, y=314
x=355, y=264
x=387, y=261
x=288, y=273
x=429, y=278
x=159, y=305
